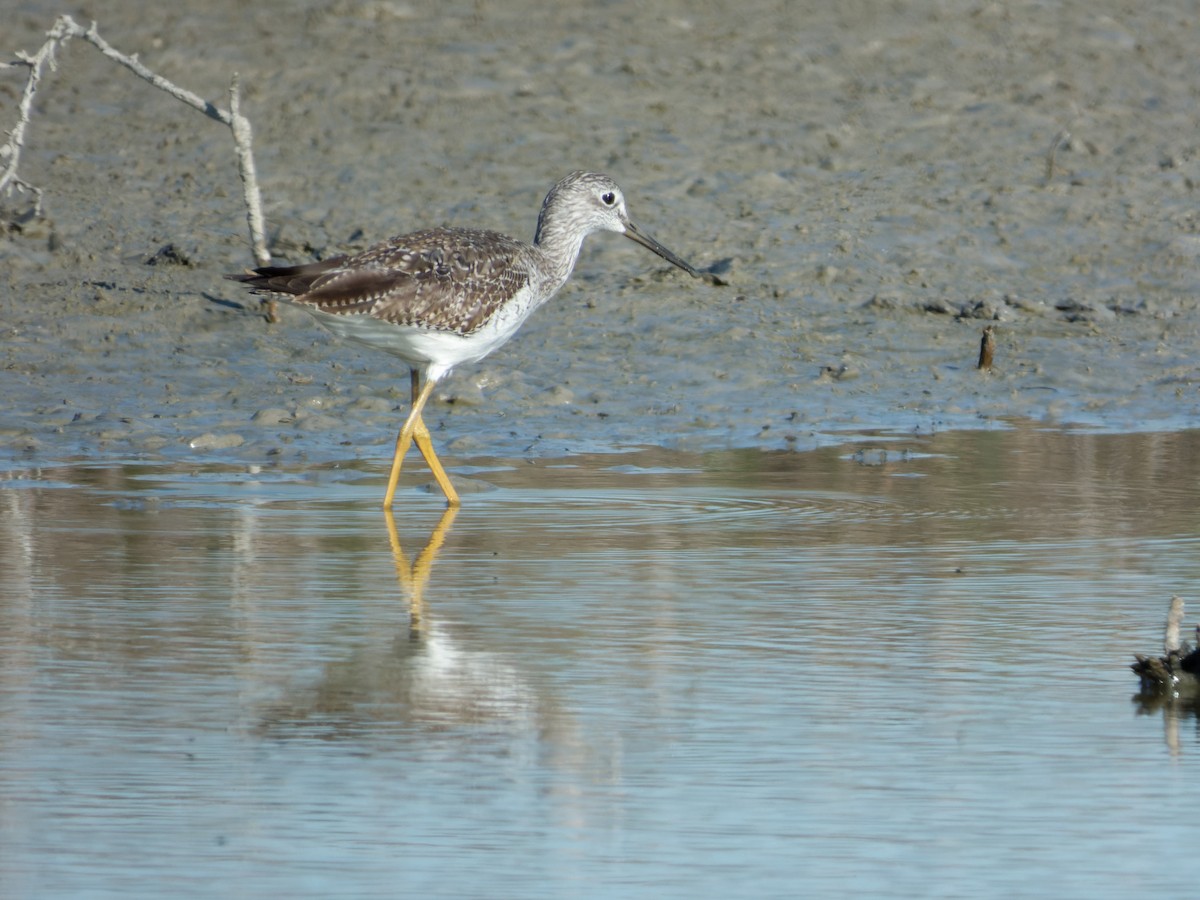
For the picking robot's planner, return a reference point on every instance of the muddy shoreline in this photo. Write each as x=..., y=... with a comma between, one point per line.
x=877, y=186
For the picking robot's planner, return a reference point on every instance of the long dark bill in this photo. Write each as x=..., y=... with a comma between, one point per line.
x=638, y=236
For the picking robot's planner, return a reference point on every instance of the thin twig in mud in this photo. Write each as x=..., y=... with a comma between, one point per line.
x=66, y=28
x=16, y=138
x=1052, y=152
x=243, y=142
x=1060, y=140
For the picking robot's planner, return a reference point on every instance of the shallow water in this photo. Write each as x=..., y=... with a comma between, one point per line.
x=900, y=665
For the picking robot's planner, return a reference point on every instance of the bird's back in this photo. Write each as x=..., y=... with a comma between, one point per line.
x=444, y=279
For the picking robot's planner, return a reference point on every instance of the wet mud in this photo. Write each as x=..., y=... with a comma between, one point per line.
x=875, y=185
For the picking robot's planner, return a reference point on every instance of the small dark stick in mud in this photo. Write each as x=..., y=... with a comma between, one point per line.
x=987, y=348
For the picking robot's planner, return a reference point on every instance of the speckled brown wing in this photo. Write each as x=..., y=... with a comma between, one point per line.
x=444, y=279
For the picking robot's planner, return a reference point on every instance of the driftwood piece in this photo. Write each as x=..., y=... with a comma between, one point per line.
x=1176, y=674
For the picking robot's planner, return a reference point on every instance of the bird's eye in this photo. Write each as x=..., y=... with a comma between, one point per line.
x=609, y=198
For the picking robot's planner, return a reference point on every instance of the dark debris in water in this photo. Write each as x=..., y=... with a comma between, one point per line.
x=1175, y=674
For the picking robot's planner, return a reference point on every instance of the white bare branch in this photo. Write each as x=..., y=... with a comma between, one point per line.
x=66, y=28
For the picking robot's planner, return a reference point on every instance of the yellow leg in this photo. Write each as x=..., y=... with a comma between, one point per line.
x=415, y=429
x=425, y=445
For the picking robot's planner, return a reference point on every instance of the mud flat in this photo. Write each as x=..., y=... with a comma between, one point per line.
x=874, y=186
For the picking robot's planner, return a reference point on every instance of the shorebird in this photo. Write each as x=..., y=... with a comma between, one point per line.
x=446, y=296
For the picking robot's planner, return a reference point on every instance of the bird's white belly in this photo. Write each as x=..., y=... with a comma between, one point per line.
x=433, y=351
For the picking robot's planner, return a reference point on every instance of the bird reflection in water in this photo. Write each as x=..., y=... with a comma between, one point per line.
x=415, y=576
x=424, y=679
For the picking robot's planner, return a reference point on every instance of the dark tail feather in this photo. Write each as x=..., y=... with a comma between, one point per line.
x=286, y=279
